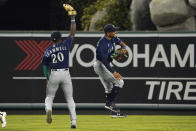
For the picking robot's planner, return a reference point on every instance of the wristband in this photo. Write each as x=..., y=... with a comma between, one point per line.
x=123, y=47
x=73, y=21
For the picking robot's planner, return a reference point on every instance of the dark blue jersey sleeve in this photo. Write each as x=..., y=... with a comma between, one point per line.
x=68, y=42
x=117, y=40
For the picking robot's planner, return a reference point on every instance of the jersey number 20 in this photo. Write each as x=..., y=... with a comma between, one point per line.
x=57, y=57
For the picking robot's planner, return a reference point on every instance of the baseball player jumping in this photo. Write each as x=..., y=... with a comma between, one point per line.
x=3, y=119
x=111, y=80
x=55, y=63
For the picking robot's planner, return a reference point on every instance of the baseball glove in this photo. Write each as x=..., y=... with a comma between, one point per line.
x=71, y=11
x=120, y=54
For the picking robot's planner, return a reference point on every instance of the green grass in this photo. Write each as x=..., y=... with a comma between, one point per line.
x=101, y=123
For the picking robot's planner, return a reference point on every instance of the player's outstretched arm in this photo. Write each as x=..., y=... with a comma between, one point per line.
x=71, y=12
x=72, y=27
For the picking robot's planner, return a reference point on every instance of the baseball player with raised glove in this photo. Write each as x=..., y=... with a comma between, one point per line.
x=55, y=63
x=111, y=80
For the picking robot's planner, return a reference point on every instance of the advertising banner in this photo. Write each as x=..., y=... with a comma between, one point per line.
x=160, y=68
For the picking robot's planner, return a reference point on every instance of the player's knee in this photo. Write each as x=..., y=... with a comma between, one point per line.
x=49, y=99
x=119, y=83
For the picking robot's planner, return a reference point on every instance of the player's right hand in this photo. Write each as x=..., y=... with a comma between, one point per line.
x=117, y=75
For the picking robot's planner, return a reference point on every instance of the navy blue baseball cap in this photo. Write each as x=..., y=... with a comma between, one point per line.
x=56, y=35
x=110, y=28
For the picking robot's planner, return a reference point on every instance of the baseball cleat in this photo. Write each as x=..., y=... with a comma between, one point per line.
x=3, y=119
x=73, y=124
x=4, y=124
x=111, y=106
x=49, y=116
x=117, y=115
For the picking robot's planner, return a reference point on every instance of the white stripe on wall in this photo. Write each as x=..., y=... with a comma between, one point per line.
x=100, y=34
x=96, y=78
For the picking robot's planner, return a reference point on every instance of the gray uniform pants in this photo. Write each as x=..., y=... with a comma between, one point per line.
x=106, y=77
x=61, y=78
x=1, y=115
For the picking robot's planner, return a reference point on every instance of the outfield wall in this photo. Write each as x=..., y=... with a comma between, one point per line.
x=159, y=73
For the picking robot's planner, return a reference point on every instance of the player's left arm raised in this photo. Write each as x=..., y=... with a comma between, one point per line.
x=71, y=12
x=72, y=27
x=118, y=41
